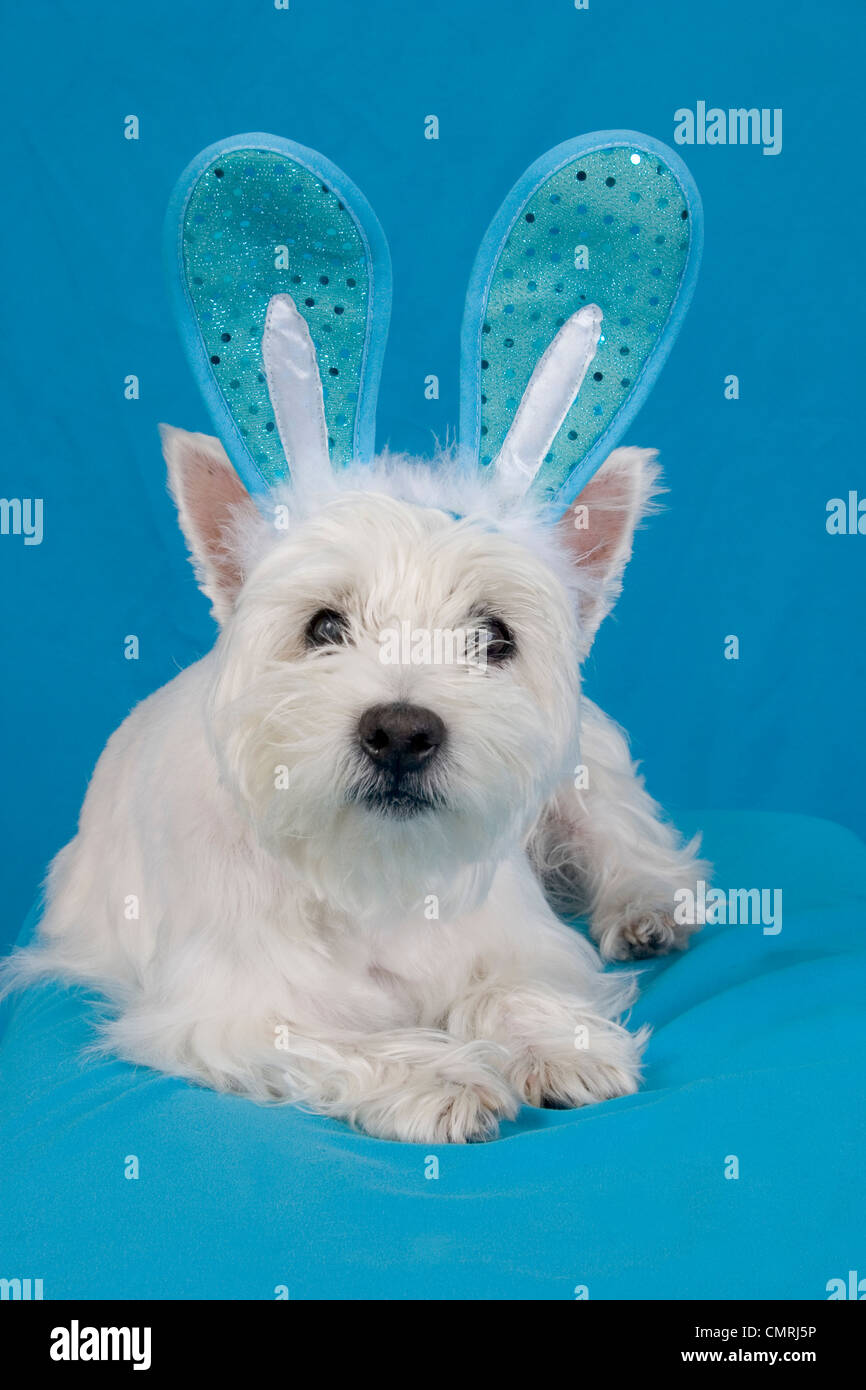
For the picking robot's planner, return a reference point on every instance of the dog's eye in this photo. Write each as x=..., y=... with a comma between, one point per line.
x=327, y=628
x=494, y=639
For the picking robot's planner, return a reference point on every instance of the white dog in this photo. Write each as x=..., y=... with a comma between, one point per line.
x=305, y=873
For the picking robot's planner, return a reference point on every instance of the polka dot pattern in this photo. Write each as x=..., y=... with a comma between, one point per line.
x=607, y=230
x=258, y=224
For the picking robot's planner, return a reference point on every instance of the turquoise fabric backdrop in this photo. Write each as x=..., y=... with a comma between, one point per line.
x=743, y=547
x=736, y=1172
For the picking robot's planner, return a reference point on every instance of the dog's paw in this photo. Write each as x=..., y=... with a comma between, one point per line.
x=641, y=932
x=563, y=1078
x=461, y=1104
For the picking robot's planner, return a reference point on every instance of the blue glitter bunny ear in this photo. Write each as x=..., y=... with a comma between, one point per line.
x=576, y=296
x=281, y=282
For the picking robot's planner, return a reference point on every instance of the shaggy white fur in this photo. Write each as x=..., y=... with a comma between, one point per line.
x=266, y=916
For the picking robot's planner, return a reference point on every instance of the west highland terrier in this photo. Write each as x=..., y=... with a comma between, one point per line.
x=328, y=863
x=347, y=859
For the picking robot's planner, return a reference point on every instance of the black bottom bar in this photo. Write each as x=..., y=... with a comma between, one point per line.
x=85, y=1338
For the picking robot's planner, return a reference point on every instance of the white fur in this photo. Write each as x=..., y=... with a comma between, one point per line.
x=291, y=944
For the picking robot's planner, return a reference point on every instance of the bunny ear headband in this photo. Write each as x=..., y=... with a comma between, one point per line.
x=281, y=279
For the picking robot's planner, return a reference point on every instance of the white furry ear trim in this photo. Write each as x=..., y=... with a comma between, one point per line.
x=295, y=389
x=547, y=400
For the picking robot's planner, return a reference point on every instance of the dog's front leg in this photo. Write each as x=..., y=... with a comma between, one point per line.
x=561, y=1052
x=603, y=849
x=416, y=1085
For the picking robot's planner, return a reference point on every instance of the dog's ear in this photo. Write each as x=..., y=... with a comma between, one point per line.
x=209, y=496
x=598, y=529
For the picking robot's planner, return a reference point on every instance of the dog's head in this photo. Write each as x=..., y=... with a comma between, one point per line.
x=395, y=688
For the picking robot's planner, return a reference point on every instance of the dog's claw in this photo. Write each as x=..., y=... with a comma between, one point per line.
x=642, y=935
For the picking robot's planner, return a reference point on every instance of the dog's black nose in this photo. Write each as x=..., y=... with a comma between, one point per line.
x=400, y=738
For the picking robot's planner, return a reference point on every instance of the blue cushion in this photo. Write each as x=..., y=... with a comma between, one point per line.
x=757, y=1053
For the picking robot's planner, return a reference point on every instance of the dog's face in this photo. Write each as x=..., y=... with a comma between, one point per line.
x=350, y=712
x=396, y=691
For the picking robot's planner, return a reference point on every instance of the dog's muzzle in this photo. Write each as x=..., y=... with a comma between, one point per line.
x=399, y=744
